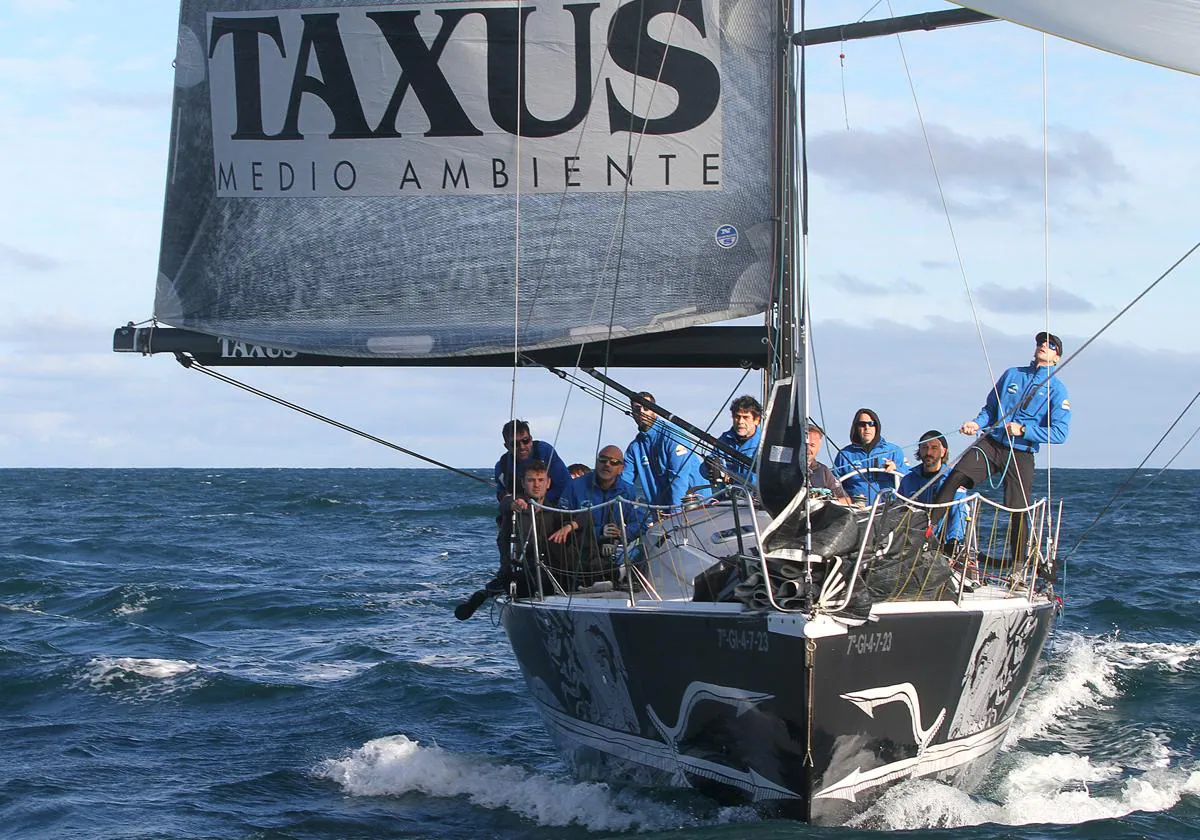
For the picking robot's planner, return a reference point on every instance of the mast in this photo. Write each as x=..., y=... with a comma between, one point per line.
x=800, y=254
x=783, y=463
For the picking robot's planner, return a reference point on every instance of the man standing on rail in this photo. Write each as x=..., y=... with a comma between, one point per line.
x=1028, y=406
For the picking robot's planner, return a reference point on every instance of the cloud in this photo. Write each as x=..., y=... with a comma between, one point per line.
x=858, y=286
x=1023, y=300
x=982, y=176
x=27, y=260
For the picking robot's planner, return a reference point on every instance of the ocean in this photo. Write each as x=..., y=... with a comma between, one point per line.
x=231, y=653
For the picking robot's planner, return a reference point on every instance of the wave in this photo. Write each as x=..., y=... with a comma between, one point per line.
x=1054, y=789
x=1083, y=675
x=396, y=765
x=1070, y=756
x=140, y=678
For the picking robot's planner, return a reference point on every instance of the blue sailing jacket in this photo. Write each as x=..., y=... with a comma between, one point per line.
x=663, y=466
x=560, y=476
x=1032, y=396
x=915, y=479
x=747, y=447
x=855, y=457
x=584, y=492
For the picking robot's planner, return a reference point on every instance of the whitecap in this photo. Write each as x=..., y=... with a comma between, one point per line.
x=134, y=603
x=146, y=677
x=395, y=765
x=1051, y=790
x=1080, y=677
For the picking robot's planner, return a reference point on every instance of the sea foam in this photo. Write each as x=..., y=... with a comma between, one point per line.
x=145, y=677
x=396, y=765
x=1062, y=788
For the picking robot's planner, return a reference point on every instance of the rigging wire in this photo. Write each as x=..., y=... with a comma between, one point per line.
x=1046, y=241
x=191, y=364
x=1128, y=306
x=1134, y=472
x=953, y=236
x=512, y=399
x=962, y=270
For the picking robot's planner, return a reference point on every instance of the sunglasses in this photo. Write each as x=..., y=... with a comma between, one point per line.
x=616, y=462
x=525, y=441
x=1052, y=345
x=870, y=424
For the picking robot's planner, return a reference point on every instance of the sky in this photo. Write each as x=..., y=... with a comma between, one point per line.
x=908, y=319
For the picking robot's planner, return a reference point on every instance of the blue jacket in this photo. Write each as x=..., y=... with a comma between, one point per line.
x=560, y=476
x=663, y=466
x=916, y=478
x=583, y=492
x=1026, y=397
x=854, y=457
x=747, y=447
x=637, y=463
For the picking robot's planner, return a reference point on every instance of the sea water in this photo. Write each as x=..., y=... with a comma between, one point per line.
x=273, y=654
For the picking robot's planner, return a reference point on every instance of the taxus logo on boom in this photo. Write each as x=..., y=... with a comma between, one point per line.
x=233, y=349
x=422, y=98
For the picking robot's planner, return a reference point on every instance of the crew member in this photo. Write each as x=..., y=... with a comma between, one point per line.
x=923, y=481
x=743, y=436
x=663, y=467
x=867, y=453
x=1028, y=406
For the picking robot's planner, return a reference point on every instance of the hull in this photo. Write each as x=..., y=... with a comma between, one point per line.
x=809, y=718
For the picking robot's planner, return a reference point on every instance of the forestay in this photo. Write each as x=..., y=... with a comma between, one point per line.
x=1165, y=32
x=360, y=179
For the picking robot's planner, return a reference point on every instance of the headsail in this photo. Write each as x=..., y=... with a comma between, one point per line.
x=343, y=174
x=1164, y=32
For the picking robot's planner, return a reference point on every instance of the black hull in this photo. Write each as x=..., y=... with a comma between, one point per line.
x=808, y=719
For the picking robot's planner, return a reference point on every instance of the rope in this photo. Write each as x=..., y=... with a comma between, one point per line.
x=945, y=204
x=512, y=396
x=1128, y=306
x=1134, y=472
x=192, y=364
x=953, y=236
x=1046, y=228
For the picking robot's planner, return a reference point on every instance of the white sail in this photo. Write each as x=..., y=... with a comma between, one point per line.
x=1163, y=32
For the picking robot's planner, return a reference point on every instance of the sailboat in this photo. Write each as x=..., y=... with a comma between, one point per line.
x=595, y=185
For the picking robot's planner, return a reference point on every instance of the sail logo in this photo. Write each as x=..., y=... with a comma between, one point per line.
x=233, y=349
x=475, y=98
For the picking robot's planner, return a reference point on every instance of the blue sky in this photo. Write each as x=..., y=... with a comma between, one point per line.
x=84, y=140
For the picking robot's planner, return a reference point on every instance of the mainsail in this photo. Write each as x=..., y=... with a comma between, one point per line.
x=364, y=179
x=1163, y=32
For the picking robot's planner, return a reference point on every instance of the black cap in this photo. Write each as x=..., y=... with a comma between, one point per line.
x=1052, y=338
x=934, y=434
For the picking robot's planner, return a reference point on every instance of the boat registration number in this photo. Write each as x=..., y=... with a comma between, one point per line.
x=752, y=640
x=869, y=643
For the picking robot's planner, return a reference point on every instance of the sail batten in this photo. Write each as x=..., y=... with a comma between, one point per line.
x=1162, y=32
x=360, y=178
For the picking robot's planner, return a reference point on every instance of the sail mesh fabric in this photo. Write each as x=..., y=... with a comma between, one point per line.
x=389, y=269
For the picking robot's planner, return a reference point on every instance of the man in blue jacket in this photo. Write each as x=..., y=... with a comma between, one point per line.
x=923, y=481
x=1028, y=406
x=599, y=524
x=520, y=444
x=861, y=464
x=660, y=465
x=743, y=436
